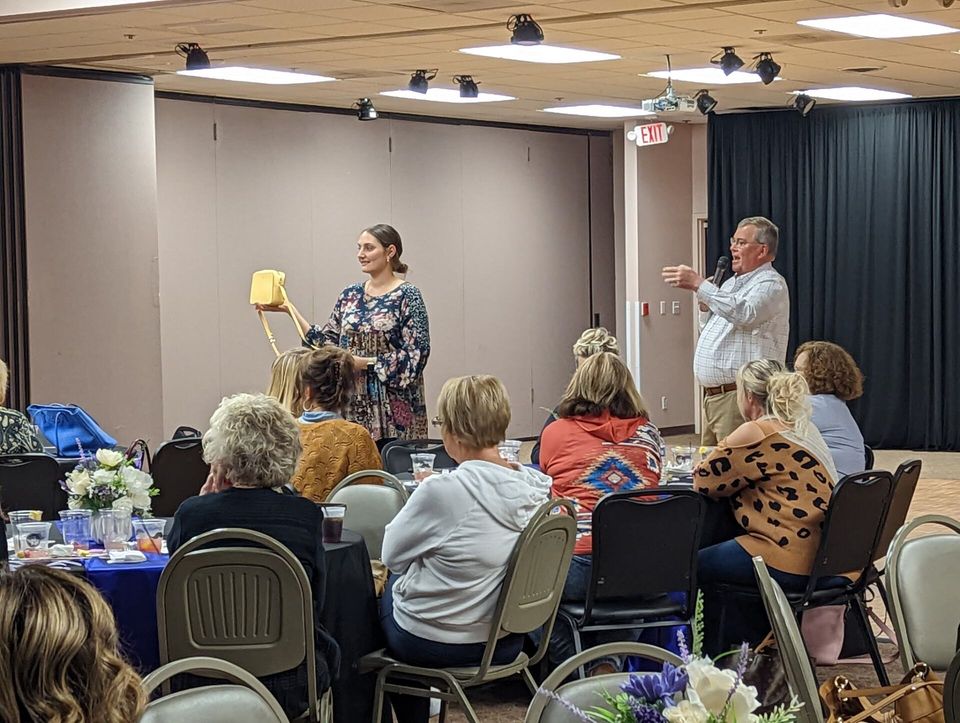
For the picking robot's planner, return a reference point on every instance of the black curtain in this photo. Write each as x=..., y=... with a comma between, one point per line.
x=13, y=242
x=868, y=203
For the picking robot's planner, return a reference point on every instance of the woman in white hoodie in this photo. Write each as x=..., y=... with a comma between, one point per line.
x=449, y=546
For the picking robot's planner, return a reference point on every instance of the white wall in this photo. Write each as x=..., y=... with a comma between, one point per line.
x=91, y=224
x=495, y=223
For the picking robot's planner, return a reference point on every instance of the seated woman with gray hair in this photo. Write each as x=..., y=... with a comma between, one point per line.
x=252, y=447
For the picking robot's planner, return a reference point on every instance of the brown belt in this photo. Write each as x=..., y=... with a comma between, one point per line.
x=722, y=389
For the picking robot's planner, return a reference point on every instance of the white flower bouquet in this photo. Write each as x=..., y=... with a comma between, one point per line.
x=109, y=480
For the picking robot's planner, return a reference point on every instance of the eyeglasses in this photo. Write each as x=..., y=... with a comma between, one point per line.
x=739, y=243
x=436, y=421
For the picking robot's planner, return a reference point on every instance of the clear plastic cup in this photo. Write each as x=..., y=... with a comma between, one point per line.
x=18, y=517
x=31, y=539
x=149, y=534
x=422, y=464
x=333, y=515
x=510, y=450
x=683, y=457
x=76, y=528
x=115, y=526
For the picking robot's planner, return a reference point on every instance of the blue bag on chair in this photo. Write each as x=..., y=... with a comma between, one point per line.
x=68, y=428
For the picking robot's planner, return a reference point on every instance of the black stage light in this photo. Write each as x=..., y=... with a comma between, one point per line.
x=803, y=104
x=705, y=102
x=365, y=109
x=525, y=30
x=729, y=62
x=468, y=87
x=419, y=81
x=767, y=68
x=196, y=56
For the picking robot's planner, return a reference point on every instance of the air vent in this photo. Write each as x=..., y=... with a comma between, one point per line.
x=865, y=69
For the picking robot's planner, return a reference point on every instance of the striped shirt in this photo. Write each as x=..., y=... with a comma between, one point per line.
x=748, y=319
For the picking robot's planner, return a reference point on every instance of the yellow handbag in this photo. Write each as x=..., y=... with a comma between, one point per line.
x=267, y=288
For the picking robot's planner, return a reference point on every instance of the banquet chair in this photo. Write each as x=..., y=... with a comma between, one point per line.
x=251, y=606
x=628, y=591
x=868, y=460
x=528, y=600
x=951, y=692
x=245, y=701
x=585, y=693
x=31, y=482
x=396, y=454
x=851, y=527
x=369, y=507
x=923, y=576
x=178, y=471
x=793, y=654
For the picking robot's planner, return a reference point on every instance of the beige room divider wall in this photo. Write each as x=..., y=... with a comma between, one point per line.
x=496, y=226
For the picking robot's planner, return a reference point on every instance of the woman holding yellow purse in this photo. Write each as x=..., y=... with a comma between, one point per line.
x=383, y=324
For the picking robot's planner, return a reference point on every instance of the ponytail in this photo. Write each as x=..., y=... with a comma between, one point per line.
x=788, y=400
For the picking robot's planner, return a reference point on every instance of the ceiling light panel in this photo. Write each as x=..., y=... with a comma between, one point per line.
x=540, y=53
x=707, y=76
x=37, y=7
x=879, y=26
x=852, y=93
x=447, y=95
x=598, y=110
x=256, y=75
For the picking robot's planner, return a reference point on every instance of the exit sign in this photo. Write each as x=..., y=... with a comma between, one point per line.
x=650, y=134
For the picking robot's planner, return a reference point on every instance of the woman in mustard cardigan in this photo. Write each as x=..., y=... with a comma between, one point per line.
x=333, y=447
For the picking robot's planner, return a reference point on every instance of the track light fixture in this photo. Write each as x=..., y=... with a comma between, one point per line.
x=803, y=104
x=525, y=30
x=365, y=109
x=420, y=80
x=767, y=68
x=705, y=102
x=728, y=61
x=468, y=87
x=196, y=56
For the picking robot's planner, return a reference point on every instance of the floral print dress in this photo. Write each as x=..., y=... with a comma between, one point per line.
x=393, y=329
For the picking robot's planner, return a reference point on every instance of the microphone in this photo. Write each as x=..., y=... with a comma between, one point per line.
x=722, y=263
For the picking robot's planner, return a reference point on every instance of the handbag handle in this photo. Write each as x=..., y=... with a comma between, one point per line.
x=869, y=708
x=292, y=312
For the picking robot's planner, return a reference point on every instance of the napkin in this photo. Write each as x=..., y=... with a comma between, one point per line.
x=121, y=556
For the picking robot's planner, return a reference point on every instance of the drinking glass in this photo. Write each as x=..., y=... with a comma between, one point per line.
x=76, y=528
x=333, y=515
x=510, y=450
x=18, y=517
x=422, y=464
x=149, y=534
x=31, y=539
x=115, y=529
x=683, y=457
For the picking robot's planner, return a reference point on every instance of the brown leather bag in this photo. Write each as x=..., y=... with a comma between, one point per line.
x=918, y=699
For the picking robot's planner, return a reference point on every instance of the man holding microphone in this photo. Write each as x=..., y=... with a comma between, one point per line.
x=746, y=318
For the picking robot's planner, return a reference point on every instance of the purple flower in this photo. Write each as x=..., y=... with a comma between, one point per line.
x=654, y=688
x=643, y=713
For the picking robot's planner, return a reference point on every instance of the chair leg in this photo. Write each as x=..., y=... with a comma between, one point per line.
x=378, y=699
x=871, y=639
x=529, y=680
x=578, y=648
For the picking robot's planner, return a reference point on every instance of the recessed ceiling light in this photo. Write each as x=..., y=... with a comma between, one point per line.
x=447, y=95
x=599, y=110
x=879, y=26
x=255, y=75
x=540, y=53
x=851, y=93
x=707, y=76
x=36, y=7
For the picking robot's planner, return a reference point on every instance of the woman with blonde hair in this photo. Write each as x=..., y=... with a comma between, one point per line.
x=602, y=442
x=834, y=380
x=285, y=380
x=59, y=658
x=778, y=475
x=591, y=341
x=333, y=447
x=17, y=434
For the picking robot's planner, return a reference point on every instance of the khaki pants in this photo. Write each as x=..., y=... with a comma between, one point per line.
x=721, y=415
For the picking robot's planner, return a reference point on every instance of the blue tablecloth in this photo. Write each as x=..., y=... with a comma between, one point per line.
x=131, y=590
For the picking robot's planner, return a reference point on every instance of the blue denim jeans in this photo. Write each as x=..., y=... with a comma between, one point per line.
x=412, y=649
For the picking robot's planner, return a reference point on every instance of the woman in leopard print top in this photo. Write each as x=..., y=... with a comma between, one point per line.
x=778, y=475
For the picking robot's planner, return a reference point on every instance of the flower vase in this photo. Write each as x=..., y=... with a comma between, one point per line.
x=111, y=528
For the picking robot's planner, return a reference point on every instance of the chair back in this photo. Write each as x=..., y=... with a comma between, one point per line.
x=904, y=486
x=851, y=526
x=370, y=508
x=533, y=584
x=924, y=583
x=246, y=702
x=668, y=521
x=396, y=454
x=793, y=654
x=585, y=693
x=31, y=482
x=185, y=432
x=867, y=457
x=251, y=606
x=178, y=471
x=951, y=692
